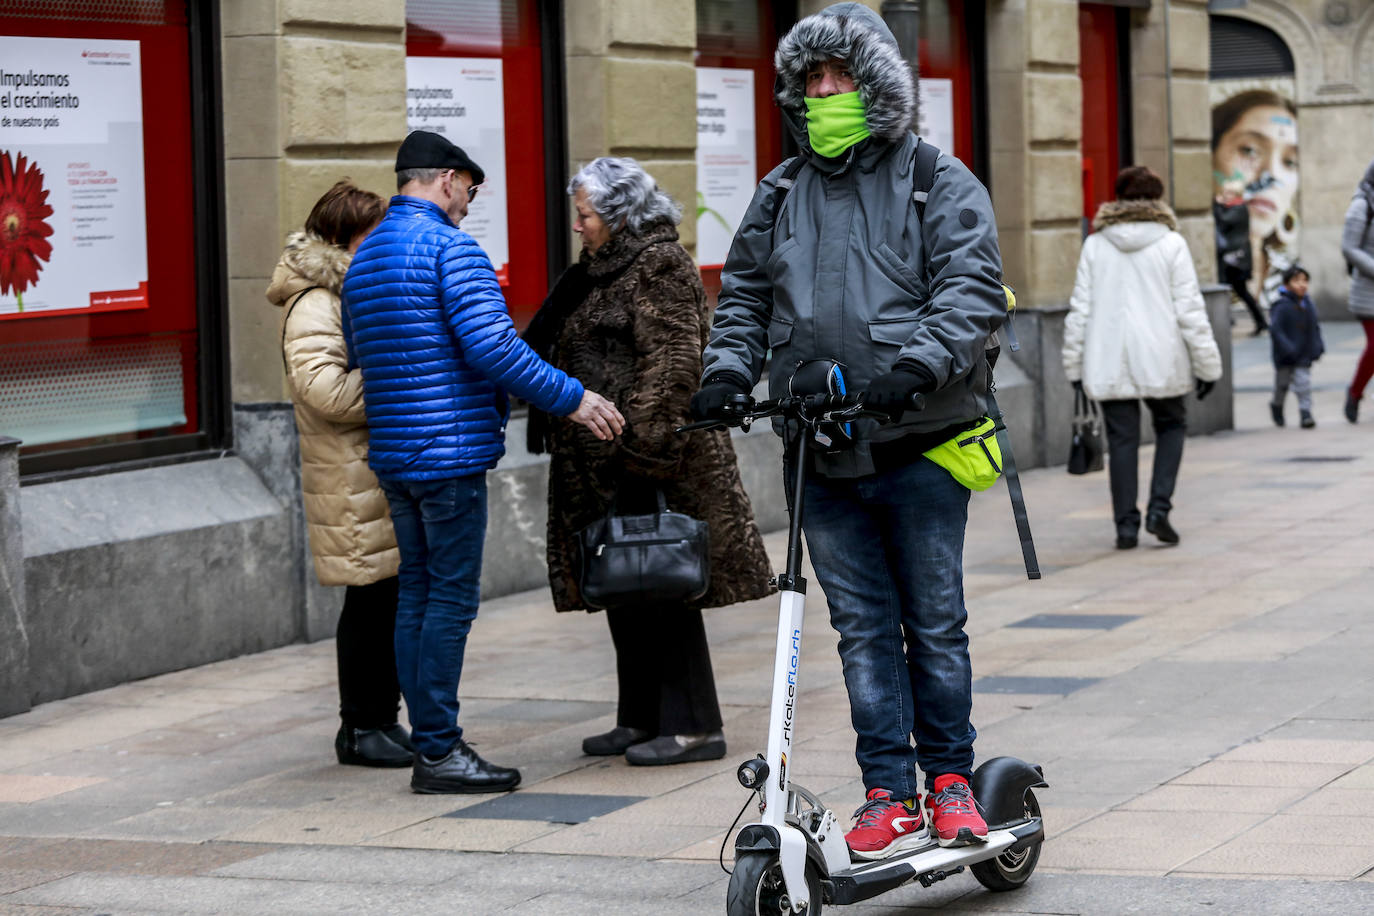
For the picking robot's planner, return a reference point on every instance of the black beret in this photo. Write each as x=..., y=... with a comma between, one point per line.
x=423, y=149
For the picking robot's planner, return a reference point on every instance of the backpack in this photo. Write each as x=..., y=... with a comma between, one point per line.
x=922, y=180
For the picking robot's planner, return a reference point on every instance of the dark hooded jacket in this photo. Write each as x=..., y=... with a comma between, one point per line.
x=1295, y=335
x=846, y=269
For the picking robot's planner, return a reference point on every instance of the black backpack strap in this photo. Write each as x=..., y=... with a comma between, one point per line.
x=1018, y=499
x=923, y=175
x=784, y=185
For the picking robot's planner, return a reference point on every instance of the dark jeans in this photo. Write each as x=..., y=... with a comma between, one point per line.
x=1240, y=284
x=1123, y=452
x=440, y=526
x=663, y=663
x=369, y=696
x=889, y=551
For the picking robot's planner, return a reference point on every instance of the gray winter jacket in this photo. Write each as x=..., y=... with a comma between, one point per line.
x=1357, y=244
x=847, y=270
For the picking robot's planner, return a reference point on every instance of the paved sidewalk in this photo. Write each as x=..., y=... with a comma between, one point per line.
x=1204, y=714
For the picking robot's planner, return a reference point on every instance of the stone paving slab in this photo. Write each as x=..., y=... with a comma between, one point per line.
x=1234, y=697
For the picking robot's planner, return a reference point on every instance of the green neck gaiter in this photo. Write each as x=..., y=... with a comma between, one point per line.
x=835, y=123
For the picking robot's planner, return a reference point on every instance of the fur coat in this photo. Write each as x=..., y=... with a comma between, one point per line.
x=351, y=538
x=1137, y=326
x=637, y=339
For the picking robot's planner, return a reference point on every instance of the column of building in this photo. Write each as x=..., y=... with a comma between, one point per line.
x=632, y=92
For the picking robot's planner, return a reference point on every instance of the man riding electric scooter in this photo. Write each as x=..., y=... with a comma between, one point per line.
x=844, y=259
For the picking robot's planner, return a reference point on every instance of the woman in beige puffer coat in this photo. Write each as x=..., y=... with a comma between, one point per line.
x=351, y=538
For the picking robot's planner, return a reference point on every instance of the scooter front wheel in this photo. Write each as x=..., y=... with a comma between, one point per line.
x=1011, y=869
x=757, y=889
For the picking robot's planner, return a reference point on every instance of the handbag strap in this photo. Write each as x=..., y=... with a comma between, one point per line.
x=615, y=503
x=1084, y=408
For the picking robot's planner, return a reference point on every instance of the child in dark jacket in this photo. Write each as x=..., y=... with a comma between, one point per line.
x=1296, y=340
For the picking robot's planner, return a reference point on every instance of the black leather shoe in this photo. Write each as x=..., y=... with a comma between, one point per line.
x=1352, y=408
x=398, y=734
x=1126, y=541
x=668, y=749
x=369, y=747
x=614, y=741
x=1276, y=411
x=462, y=772
x=1159, y=526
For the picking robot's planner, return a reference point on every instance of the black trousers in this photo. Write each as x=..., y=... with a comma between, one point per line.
x=1240, y=284
x=663, y=663
x=1122, y=420
x=369, y=696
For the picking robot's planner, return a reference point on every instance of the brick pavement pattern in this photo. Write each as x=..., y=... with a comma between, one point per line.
x=1204, y=715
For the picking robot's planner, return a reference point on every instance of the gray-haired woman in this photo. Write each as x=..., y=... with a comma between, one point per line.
x=630, y=320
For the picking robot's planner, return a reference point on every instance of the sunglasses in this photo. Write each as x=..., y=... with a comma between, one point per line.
x=472, y=193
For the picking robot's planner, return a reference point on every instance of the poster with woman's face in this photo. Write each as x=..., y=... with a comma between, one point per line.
x=1255, y=151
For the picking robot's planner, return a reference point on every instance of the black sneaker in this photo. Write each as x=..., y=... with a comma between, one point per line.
x=1352, y=408
x=1126, y=541
x=1276, y=411
x=462, y=772
x=1307, y=421
x=1159, y=526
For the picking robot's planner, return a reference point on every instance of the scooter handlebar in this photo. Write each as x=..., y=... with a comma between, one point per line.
x=742, y=409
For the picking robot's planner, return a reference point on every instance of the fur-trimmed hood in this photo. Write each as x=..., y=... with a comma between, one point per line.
x=853, y=33
x=307, y=260
x=1131, y=225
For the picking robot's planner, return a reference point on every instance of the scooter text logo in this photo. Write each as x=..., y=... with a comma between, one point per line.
x=790, y=708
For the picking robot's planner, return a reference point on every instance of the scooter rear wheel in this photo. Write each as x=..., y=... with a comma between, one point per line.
x=757, y=889
x=1010, y=870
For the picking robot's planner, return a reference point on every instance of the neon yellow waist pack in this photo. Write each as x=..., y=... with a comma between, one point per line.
x=973, y=457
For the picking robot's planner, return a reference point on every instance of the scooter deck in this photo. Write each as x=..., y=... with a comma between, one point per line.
x=869, y=879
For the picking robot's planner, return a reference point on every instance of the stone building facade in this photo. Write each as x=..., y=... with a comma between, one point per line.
x=127, y=570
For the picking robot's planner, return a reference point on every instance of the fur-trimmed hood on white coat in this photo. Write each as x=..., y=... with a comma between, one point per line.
x=1137, y=325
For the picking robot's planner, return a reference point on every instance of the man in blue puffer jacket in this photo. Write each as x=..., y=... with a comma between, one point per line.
x=425, y=320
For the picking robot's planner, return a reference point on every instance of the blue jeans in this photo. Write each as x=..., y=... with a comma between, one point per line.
x=888, y=550
x=440, y=526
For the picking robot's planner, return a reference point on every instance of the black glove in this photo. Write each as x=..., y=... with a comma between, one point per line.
x=891, y=393
x=1204, y=388
x=718, y=389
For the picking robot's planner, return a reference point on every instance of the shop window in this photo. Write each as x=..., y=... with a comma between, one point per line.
x=106, y=268
x=476, y=73
x=739, y=128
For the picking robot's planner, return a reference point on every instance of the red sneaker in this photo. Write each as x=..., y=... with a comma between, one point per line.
x=885, y=827
x=954, y=814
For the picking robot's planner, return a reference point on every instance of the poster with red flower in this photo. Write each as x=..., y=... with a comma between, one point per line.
x=73, y=223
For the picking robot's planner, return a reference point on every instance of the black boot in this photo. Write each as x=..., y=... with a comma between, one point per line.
x=1352, y=408
x=1306, y=421
x=614, y=741
x=1158, y=525
x=462, y=772
x=398, y=734
x=369, y=747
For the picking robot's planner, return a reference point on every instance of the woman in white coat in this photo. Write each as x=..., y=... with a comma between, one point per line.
x=1137, y=330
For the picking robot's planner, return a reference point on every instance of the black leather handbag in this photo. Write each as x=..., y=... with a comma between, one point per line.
x=1085, y=450
x=662, y=557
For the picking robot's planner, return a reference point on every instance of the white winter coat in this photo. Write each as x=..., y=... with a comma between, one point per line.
x=1137, y=326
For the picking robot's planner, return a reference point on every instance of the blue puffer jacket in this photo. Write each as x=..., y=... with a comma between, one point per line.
x=425, y=320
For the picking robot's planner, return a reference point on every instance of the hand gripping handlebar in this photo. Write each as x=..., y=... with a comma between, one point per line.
x=811, y=409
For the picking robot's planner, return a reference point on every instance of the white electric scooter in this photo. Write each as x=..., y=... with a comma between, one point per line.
x=794, y=858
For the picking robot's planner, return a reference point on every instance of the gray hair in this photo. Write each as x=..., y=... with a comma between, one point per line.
x=424, y=176
x=624, y=195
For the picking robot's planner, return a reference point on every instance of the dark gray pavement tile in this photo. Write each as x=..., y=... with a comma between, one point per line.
x=1076, y=621
x=1031, y=685
x=554, y=807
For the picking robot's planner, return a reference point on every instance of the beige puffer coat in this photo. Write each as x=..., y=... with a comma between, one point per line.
x=350, y=527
